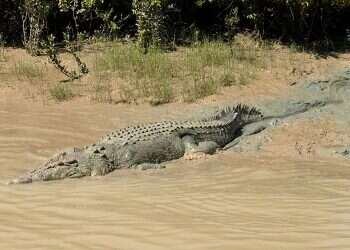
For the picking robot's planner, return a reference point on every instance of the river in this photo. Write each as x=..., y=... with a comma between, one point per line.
x=227, y=201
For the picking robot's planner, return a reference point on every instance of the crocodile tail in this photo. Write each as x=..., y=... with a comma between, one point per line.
x=244, y=112
x=247, y=113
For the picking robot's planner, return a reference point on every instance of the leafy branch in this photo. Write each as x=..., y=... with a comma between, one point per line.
x=54, y=58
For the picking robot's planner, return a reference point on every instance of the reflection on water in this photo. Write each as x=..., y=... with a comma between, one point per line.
x=229, y=201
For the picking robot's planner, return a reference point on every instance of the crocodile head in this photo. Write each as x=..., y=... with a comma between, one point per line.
x=74, y=163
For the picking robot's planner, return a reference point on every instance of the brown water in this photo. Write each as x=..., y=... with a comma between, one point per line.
x=228, y=201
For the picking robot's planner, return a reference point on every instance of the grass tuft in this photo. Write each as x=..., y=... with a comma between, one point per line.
x=211, y=65
x=102, y=92
x=61, y=92
x=198, y=89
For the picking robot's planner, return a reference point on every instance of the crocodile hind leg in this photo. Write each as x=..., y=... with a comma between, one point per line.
x=200, y=150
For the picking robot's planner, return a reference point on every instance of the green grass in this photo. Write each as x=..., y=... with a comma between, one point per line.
x=210, y=65
x=146, y=75
x=188, y=74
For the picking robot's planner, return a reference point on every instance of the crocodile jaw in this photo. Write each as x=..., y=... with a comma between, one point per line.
x=20, y=180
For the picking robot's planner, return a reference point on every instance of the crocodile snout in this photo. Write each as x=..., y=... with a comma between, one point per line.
x=20, y=180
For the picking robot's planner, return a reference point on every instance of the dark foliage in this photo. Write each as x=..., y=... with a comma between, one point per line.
x=302, y=21
x=10, y=21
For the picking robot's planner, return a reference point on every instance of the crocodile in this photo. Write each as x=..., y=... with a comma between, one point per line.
x=146, y=146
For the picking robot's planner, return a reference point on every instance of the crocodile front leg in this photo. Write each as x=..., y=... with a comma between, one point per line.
x=200, y=150
x=146, y=166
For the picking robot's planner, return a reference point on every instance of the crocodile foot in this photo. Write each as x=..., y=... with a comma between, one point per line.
x=146, y=166
x=195, y=156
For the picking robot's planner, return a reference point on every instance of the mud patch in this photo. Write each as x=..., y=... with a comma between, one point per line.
x=314, y=122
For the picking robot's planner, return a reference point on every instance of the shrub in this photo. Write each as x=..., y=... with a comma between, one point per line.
x=149, y=22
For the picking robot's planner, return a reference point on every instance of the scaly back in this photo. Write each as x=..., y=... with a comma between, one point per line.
x=144, y=132
x=245, y=113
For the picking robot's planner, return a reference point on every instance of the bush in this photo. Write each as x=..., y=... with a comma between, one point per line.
x=159, y=21
x=10, y=21
x=149, y=22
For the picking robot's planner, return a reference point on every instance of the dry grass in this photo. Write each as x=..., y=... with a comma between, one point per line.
x=3, y=57
x=28, y=70
x=119, y=72
x=102, y=93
